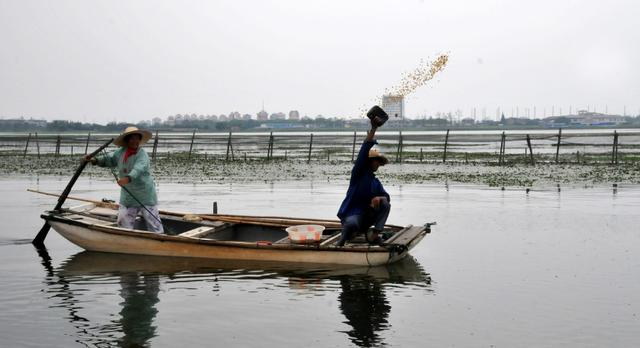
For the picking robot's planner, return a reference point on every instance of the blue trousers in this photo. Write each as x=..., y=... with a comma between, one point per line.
x=353, y=224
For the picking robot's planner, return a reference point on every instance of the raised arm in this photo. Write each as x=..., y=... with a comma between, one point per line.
x=363, y=154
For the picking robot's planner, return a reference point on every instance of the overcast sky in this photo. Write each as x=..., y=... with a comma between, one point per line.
x=133, y=60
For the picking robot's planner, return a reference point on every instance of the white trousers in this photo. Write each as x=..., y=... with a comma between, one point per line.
x=127, y=217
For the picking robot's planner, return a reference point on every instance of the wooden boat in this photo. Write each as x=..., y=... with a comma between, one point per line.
x=93, y=227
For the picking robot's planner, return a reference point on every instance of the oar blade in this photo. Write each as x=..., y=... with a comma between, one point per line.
x=38, y=241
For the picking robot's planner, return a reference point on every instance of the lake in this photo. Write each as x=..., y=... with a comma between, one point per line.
x=502, y=268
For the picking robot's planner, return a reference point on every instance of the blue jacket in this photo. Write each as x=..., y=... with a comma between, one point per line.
x=363, y=185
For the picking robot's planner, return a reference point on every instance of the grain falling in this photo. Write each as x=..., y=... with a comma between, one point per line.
x=425, y=72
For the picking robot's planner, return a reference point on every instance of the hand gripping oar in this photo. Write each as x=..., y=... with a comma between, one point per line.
x=39, y=239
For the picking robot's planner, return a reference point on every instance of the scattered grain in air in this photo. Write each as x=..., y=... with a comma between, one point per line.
x=411, y=81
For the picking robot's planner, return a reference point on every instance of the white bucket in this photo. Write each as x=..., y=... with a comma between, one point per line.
x=303, y=234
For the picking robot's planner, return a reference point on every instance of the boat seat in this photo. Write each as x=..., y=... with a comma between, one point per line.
x=198, y=232
x=91, y=220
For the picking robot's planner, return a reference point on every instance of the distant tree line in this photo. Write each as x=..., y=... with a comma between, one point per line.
x=25, y=125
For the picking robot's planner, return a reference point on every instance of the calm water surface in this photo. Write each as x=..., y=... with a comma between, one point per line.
x=501, y=268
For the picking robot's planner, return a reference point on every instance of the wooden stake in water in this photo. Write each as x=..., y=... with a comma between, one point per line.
x=353, y=149
x=229, y=148
x=193, y=137
x=58, y=141
x=530, y=150
x=310, y=147
x=446, y=143
x=400, y=149
x=270, y=147
x=558, y=145
x=155, y=147
x=86, y=147
x=26, y=146
x=614, y=151
x=38, y=145
x=503, y=143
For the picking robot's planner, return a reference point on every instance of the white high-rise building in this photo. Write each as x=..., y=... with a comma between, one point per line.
x=294, y=115
x=393, y=105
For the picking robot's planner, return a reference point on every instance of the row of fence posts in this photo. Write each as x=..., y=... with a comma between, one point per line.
x=399, y=152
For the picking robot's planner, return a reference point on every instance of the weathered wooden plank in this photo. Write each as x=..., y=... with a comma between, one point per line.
x=406, y=236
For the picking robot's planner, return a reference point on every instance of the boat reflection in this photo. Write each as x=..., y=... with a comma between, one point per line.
x=362, y=298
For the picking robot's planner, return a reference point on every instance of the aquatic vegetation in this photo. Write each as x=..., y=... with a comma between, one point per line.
x=516, y=173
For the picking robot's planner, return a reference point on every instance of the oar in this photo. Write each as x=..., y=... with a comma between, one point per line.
x=258, y=220
x=38, y=241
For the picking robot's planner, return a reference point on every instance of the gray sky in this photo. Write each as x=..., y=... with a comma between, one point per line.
x=131, y=60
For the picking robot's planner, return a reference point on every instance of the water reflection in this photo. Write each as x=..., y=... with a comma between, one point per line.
x=140, y=295
x=362, y=291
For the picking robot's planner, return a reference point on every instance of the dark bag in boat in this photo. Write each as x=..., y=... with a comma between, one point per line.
x=381, y=115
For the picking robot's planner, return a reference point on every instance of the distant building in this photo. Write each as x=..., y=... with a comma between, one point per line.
x=585, y=118
x=278, y=116
x=468, y=121
x=262, y=115
x=294, y=115
x=393, y=105
x=234, y=115
x=246, y=117
x=223, y=118
x=156, y=121
x=212, y=117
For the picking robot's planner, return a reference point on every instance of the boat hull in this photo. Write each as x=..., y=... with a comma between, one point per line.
x=146, y=243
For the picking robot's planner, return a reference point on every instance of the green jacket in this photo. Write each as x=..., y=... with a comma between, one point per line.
x=138, y=170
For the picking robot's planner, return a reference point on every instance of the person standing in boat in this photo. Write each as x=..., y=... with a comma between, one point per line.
x=134, y=174
x=366, y=203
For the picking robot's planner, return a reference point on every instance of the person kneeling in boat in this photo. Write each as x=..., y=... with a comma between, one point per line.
x=134, y=174
x=366, y=203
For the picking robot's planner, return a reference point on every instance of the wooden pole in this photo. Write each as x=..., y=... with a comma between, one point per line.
x=26, y=146
x=193, y=137
x=38, y=145
x=58, y=146
x=446, y=143
x=399, y=151
x=155, y=147
x=310, y=147
x=558, y=145
x=614, y=150
x=86, y=147
x=229, y=147
x=617, y=139
x=503, y=143
x=353, y=148
x=530, y=150
x=270, y=147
